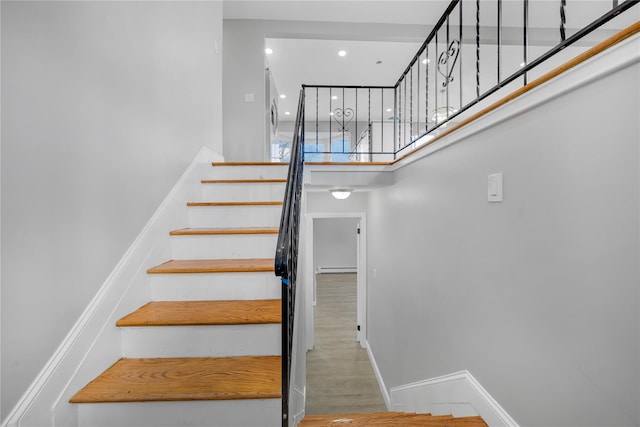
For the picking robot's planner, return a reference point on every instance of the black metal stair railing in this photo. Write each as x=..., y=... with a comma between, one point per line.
x=476, y=48
x=286, y=259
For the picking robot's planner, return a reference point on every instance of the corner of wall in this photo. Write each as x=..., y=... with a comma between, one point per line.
x=459, y=394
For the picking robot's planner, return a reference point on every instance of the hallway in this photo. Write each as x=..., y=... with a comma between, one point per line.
x=340, y=378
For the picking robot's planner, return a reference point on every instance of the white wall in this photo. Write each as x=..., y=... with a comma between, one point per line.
x=104, y=104
x=335, y=243
x=538, y=296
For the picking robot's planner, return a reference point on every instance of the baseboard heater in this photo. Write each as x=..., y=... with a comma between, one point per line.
x=326, y=270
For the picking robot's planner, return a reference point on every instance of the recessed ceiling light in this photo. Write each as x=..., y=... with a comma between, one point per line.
x=334, y=97
x=426, y=61
x=283, y=96
x=342, y=53
x=522, y=64
x=286, y=113
x=331, y=113
x=388, y=110
x=268, y=51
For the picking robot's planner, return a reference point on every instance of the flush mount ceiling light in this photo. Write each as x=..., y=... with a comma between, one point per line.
x=334, y=97
x=286, y=113
x=426, y=61
x=283, y=96
x=340, y=193
x=268, y=51
x=342, y=53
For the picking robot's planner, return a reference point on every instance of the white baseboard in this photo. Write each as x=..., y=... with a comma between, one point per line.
x=329, y=270
x=297, y=417
x=383, y=389
x=459, y=394
x=93, y=343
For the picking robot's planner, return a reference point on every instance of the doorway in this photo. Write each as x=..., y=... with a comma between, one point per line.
x=339, y=376
x=358, y=219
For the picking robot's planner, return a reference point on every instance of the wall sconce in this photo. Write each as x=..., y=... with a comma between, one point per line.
x=340, y=193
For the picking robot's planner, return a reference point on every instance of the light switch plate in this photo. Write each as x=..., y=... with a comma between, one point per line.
x=494, y=192
x=249, y=97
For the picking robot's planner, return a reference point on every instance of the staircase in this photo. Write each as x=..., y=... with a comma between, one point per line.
x=390, y=419
x=206, y=349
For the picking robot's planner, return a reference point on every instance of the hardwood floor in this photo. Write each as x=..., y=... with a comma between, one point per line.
x=340, y=378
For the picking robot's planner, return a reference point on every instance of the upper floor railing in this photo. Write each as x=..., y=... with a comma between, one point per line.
x=477, y=50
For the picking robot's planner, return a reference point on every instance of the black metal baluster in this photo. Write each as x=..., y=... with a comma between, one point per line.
x=477, y=48
x=411, y=106
x=357, y=134
x=418, y=98
x=396, y=145
x=447, y=106
x=330, y=120
x=369, y=115
x=525, y=42
x=499, y=43
x=381, y=123
x=317, y=112
x=426, y=102
x=563, y=20
x=460, y=56
x=343, y=114
x=436, y=83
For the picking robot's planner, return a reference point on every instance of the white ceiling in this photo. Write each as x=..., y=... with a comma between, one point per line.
x=421, y=12
x=318, y=63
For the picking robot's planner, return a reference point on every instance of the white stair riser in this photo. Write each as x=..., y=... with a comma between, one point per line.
x=214, y=286
x=239, y=192
x=234, y=216
x=224, y=246
x=201, y=341
x=247, y=172
x=227, y=413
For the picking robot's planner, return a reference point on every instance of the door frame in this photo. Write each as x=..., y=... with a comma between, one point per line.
x=310, y=300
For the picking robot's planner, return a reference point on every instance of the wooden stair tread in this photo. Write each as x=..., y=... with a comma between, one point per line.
x=187, y=313
x=263, y=203
x=221, y=231
x=243, y=181
x=173, y=379
x=390, y=419
x=214, y=266
x=249, y=164
x=348, y=163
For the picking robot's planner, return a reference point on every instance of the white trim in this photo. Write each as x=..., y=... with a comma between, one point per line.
x=300, y=414
x=84, y=334
x=330, y=270
x=458, y=393
x=383, y=388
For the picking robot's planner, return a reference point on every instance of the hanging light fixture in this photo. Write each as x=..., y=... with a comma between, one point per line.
x=340, y=193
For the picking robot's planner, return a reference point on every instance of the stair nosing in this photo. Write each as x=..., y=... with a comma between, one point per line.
x=249, y=164
x=243, y=181
x=204, y=313
x=249, y=265
x=262, y=203
x=223, y=231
